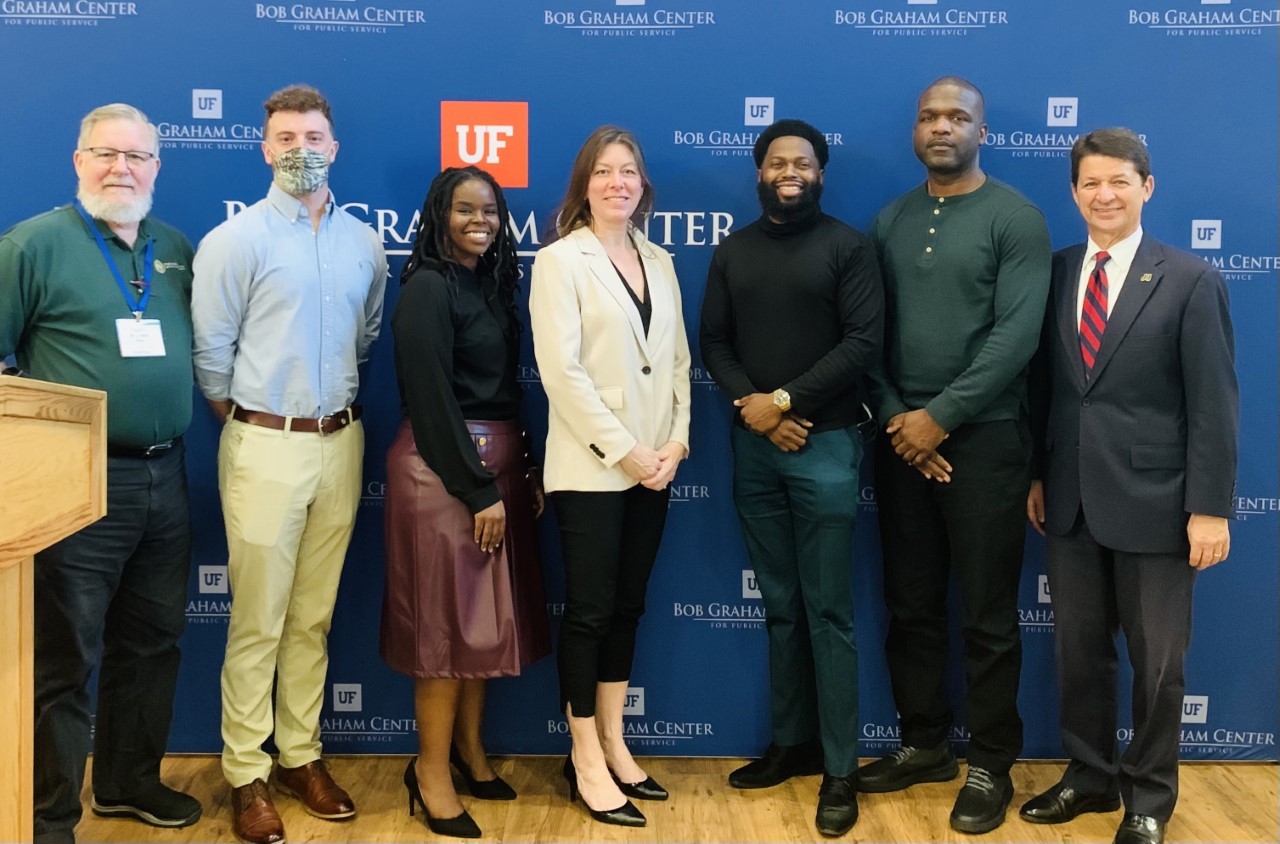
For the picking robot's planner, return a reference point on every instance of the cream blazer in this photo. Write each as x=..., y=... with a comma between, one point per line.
x=608, y=385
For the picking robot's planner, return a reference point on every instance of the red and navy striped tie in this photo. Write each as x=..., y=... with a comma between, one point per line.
x=1093, y=316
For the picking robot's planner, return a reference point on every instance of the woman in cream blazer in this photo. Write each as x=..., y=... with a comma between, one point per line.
x=609, y=337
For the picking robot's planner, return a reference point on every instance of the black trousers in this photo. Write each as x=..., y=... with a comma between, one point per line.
x=119, y=587
x=1096, y=593
x=610, y=541
x=976, y=527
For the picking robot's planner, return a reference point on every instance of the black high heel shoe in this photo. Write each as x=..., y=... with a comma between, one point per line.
x=494, y=789
x=460, y=827
x=648, y=789
x=625, y=815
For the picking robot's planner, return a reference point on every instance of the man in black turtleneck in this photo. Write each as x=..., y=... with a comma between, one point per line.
x=793, y=316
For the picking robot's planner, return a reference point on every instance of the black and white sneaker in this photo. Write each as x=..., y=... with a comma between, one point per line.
x=157, y=805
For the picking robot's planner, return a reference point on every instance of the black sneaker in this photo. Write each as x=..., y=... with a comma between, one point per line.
x=157, y=805
x=837, y=805
x=981, y=804
x=907, y=766
x=778, y=765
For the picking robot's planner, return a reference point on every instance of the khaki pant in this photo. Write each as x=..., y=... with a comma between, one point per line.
x=289, y=501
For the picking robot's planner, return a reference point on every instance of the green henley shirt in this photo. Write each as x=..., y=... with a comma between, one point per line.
x=966, y=280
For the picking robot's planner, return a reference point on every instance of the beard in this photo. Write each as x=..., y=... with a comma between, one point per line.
x=124, y=212
x=791, y=210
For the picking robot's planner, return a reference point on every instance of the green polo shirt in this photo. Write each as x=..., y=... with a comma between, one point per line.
x=59, y=303
x=966, y=279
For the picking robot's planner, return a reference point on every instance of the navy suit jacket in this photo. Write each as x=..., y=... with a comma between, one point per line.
x=1151, y=436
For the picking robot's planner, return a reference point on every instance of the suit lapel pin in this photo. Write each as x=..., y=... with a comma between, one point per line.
x=1145, y=278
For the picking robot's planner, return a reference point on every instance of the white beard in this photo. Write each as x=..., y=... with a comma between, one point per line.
x=124, y=212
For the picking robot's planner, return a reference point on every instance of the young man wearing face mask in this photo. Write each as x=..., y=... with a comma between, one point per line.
x=287, y=300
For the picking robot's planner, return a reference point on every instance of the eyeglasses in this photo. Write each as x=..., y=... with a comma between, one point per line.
x=132, y=157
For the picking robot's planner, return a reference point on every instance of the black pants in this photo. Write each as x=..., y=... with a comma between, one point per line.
x=119, y=585
x=976, y=526
x=1098, y=592
x=610, y=541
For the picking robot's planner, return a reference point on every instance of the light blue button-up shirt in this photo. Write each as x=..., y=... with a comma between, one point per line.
x=284, y=313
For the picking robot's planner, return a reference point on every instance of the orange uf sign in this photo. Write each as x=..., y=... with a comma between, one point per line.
x=491, y=136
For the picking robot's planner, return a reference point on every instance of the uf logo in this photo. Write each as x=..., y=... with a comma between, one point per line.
x=1063, y=111
x=494, y=136
x=1195, y=709
x=1042, y=589
x=634, y=702
x=206, y=103
x=1206, y=234
x=347, y=697
x=213, y=580
x=758, y=111
x=488, y=140
x=750, y=588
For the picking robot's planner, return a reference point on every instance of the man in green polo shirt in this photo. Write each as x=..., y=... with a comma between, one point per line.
x=965, y=261
x=97, y=294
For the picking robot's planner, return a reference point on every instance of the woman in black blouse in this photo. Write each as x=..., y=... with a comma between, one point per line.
x=464, y=598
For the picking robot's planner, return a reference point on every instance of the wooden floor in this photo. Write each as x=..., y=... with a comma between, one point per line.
x=1219, y=803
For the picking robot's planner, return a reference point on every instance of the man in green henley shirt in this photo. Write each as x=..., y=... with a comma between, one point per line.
x=965, y=261
x=98, y=294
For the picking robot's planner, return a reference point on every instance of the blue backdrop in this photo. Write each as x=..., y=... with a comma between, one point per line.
x=696, y=79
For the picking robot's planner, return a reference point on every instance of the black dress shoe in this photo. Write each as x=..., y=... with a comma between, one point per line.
x=837, y=805
x=648, y=789
x=778, y=765
x=907, y=766
x=982, y=802
x=460, y=826
x=494, y=789
x=625, y=815
x=1063, y=803
x=1140, y=829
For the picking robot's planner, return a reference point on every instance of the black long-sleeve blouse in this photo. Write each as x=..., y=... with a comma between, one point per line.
x=456, y=348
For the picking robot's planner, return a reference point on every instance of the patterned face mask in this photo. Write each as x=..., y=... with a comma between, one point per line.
x=300, y=170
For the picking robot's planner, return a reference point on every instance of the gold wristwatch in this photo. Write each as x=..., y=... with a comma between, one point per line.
x=782, y=399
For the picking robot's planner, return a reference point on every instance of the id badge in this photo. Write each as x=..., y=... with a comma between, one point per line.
x=140, y=338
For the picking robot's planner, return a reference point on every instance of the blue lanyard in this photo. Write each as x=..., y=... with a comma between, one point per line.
x=140, y=307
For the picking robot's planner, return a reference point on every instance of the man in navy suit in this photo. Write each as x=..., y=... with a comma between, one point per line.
x=1138, y=412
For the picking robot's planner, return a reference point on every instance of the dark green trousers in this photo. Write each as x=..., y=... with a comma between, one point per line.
x=797, y=511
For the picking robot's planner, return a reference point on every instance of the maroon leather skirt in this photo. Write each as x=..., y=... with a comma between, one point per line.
x=450, y=610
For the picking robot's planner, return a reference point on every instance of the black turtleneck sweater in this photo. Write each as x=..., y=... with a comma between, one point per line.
x=798, y=306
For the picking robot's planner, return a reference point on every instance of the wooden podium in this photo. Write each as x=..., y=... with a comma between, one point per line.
x=53, y=481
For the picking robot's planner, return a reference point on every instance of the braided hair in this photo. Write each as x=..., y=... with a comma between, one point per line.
x=432, y=247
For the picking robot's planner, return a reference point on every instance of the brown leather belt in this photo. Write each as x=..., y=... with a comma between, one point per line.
x=323, y=426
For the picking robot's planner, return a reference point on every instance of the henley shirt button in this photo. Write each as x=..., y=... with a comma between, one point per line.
x=646, y=370
x=936, y=211
x=482, y=441
x=941, y=199
x=933, y=231
x=928, y=249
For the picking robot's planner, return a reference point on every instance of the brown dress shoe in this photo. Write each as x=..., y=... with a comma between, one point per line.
x=254, y=818
x=320, y=795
